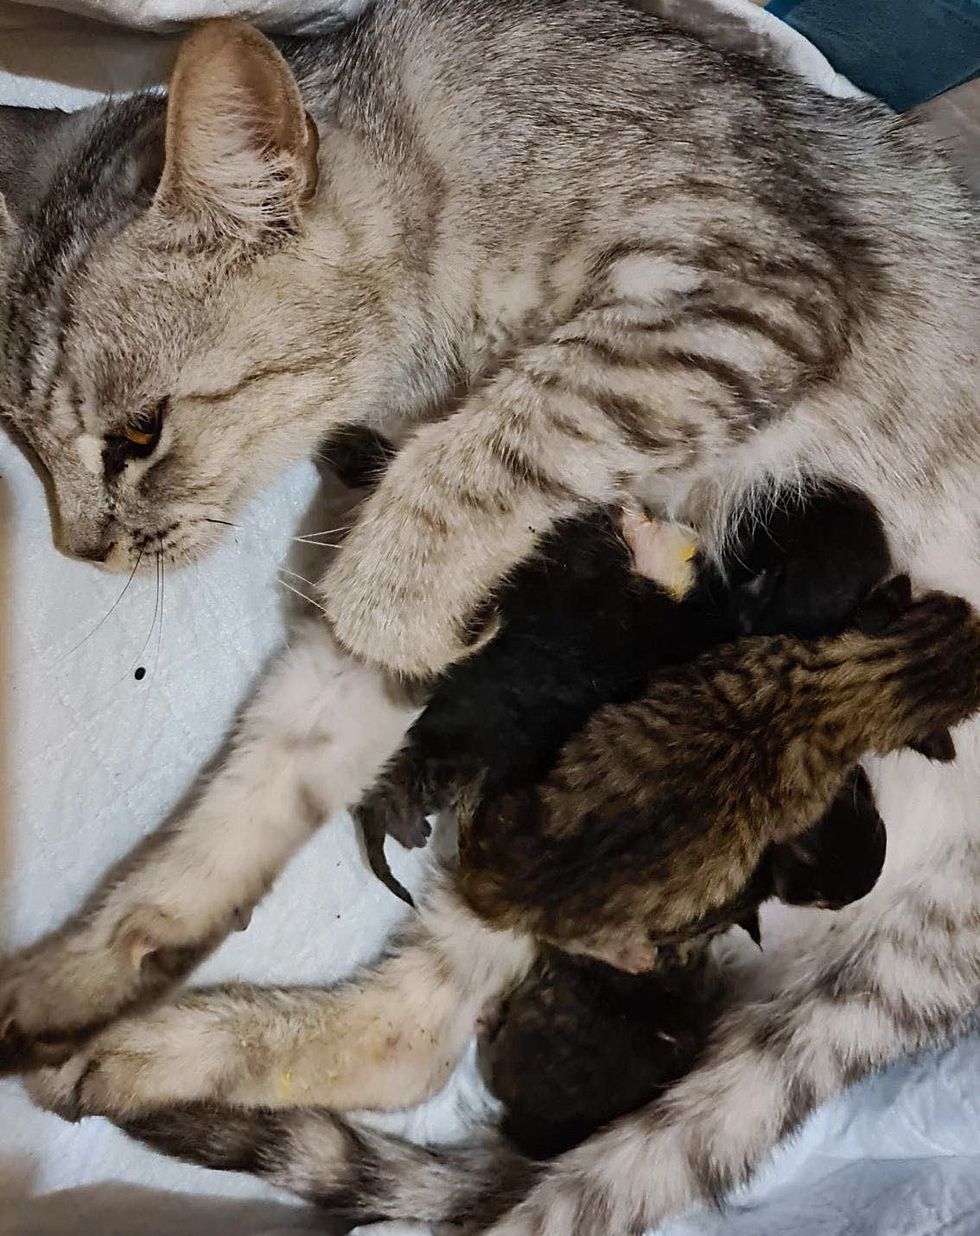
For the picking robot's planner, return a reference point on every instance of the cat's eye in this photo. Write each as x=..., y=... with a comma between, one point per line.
x=138, y=438
x=142, y=432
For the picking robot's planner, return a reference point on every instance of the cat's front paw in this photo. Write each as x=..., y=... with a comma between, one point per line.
x=404, y=600
x=57, y=993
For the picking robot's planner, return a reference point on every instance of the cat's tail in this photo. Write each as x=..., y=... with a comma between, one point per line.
x=353, y=1171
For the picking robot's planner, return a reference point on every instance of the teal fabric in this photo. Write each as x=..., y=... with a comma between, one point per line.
x=903, y=51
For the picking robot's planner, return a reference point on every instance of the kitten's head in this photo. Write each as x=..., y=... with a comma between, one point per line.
x=139, y=243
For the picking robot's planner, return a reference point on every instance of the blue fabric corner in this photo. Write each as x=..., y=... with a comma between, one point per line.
x=903, y=51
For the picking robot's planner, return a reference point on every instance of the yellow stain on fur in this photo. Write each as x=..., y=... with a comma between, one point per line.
x=285, y=1087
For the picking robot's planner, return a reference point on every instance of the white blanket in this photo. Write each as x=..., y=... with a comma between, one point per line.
x=91, y=758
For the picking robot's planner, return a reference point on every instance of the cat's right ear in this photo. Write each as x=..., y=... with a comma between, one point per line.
x=241, y=151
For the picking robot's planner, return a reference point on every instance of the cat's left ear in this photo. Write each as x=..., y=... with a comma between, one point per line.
x=241, y=151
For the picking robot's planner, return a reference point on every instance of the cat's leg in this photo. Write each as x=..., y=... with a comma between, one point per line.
x=386, y=1039
x=318, y=732
x=621, y=390
x=884, y=981
x=878, y=981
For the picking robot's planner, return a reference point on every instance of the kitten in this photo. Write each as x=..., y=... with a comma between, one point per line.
x=657, y=813
x=193, y=293
x=580, y=627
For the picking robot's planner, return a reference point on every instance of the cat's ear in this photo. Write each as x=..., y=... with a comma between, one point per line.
x=241, y=152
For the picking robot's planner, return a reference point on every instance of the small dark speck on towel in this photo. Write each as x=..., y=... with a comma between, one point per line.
x=140, y=673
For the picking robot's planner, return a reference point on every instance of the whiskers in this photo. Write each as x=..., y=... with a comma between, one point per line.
x=109, y=612
x=157, y=613
x=316, y=538
x=296, y=591
x=307, y=538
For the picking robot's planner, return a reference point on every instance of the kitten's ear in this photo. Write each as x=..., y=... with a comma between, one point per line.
x=884, y=605
x=241, y=152
x=938, y=745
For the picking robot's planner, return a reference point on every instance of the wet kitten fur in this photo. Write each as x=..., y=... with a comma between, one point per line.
x=367, y=292
x=580, y=628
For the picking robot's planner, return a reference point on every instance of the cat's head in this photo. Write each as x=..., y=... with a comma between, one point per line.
x=144, y=245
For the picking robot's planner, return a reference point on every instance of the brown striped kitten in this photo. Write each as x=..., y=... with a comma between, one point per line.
x=607, y=262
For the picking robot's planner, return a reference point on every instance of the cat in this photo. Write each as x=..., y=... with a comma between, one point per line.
x=671, y=273
x=771, y=724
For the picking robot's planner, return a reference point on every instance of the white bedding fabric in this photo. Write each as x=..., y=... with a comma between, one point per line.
x=90, y=759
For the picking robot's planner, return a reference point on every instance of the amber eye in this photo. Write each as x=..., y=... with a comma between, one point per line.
x=142, y=433
x=138, y=435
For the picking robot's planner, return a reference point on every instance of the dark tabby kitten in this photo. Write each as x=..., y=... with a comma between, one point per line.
x=580, y=628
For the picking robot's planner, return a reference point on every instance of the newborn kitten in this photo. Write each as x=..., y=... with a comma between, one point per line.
x=580, y=628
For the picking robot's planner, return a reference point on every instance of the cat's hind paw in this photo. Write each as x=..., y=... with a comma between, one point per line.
x=60, y=991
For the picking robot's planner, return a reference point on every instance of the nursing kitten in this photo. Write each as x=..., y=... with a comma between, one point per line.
x=579, y=627
x=633, y=265
x=657, y=813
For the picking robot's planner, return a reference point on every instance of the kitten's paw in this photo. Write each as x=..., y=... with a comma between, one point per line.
x=664, y=553
x=410, y=829
x=57, y=993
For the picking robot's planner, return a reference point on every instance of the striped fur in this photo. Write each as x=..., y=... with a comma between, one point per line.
x=630, y=264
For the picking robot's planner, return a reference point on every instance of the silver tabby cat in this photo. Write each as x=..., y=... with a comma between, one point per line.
x=592, y=258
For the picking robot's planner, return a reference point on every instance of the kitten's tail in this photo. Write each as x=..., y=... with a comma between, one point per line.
x=356, y=1172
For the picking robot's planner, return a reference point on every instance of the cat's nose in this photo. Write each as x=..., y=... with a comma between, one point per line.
x=93, y=551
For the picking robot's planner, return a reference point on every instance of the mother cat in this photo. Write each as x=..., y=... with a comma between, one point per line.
x=630, y=265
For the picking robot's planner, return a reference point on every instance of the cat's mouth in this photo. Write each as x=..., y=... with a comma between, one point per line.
x=178, y=544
